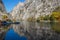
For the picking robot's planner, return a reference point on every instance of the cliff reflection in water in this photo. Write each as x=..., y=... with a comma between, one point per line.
x=38, y=31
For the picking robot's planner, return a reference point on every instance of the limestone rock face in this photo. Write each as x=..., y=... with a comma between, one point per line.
x=34, y=8
x=2, y=9
x=18, y=11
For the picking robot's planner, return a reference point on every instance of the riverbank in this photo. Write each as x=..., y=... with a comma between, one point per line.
x=47, y=21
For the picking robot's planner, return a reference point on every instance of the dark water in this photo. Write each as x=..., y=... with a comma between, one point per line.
x=33, y=31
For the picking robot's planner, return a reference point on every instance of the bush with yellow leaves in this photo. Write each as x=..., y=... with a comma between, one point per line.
x=55, y=16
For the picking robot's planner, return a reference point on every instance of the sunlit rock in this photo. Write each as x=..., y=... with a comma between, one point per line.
x=34, y=8
x=18, y=12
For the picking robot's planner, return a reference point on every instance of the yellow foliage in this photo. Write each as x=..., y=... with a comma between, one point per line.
x=4, y=16
x=55, y=16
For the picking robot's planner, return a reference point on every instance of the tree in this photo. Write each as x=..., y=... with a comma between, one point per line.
x=4, y=16
x=47, y=17
x=55, y=16
x=40, y=18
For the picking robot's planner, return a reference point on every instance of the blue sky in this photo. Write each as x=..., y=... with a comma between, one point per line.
x=10, y=4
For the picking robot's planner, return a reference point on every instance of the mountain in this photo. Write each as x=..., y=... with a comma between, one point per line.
x=18, y=11
x=34, y=9
x=2, y=10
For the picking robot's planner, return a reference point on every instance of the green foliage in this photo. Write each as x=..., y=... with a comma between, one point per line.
x=47, y=17
x=43, y=18
x=40, y=18
x=8, y=20
x=55, y=16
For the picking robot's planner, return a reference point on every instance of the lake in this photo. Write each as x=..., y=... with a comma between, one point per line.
x=34, y=31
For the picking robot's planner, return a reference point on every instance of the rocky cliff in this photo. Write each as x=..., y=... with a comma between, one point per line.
x=34, y=8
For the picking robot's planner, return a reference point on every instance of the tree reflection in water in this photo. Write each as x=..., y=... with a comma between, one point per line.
x=3, y=30
x=37, y=31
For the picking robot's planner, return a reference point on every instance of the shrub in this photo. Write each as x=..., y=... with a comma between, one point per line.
x=31, y=19
x=55, y=16
x=47, y=17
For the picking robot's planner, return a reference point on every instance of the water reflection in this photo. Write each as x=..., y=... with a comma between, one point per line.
x=11, y=35
x=3, y=30
x=37, y=31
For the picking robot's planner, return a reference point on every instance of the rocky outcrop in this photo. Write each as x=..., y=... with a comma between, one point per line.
x=18, y=12
x=34, y=8
x=2, y=10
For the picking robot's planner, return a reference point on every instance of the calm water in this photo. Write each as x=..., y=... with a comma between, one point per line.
x=11, y=35
x=33, y=31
